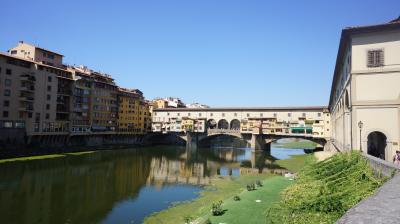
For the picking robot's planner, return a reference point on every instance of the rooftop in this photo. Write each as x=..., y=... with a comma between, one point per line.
x=312, y=108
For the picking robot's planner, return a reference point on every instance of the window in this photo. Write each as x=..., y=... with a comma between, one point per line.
x=319, y=114
x=248, y=115
x=177, y=114
x=8, y=71
x=261, y=114
x=47, y=106
x=211, y=114
x=49, y=79
x=13, y=52
x=7, y=92
x=188, y=114
x=275, y=115
x=199, y=114
x=223, y=114
x=47, y=116
x=48, y=88
x=6, y=103
x=7, y=82
x=304, y=114
x=375, y=58
x=48, y=97
x=7, y=124
x=5, y=113
x=235, y=114
x=289, y=114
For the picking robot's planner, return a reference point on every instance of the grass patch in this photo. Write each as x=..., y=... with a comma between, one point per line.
x=325, y=190
x=31, y=158
x=79, y=153
x=220, y=189
x=28, y=158
x=247, y=210
x=296, y=162
x=297, y=145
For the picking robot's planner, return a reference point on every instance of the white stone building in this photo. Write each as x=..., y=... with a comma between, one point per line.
x=365, y=94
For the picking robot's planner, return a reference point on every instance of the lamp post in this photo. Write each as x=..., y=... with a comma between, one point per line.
x=360, y=125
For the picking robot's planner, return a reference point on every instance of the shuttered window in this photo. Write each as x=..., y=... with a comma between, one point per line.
x=375, y=58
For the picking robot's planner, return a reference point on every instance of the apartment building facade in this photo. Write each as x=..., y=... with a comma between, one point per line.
x=40, y=96
x=365, y=94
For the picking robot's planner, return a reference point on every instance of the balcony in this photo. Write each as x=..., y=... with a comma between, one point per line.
x=65, y=92
x=27, y=88
x=26, y=107
x=29, y=98
x=27, y=78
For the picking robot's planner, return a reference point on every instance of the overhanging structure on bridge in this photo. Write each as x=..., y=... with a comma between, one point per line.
x=257, y=125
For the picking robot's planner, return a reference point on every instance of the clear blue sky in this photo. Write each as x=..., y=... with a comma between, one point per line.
x=217, y=52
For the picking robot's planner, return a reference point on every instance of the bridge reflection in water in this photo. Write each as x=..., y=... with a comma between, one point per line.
x=116, y=186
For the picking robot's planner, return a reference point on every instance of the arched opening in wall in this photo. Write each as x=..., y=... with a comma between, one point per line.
x=235, y=124
x=377, y=144
x=223, y=124
x=347, y=100
x=211, y=124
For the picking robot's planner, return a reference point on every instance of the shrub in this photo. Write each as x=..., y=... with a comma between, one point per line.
x=251, y=187
x=208, y=221
x=236, y=198
x=187, y=219
x=259, y=183
x=216, y=209
x=248, y=186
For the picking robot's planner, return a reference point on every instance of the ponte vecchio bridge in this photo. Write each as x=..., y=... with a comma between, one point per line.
x=258, y=126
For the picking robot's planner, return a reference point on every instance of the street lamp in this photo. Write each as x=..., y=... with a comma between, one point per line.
x=360, y=125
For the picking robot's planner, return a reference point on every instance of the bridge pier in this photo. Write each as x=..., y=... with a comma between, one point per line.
x=258, y=142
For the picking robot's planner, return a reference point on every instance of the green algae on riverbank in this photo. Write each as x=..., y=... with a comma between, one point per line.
x=301, y=144
x=225, y=188
x=50, y=156
x=31, y=158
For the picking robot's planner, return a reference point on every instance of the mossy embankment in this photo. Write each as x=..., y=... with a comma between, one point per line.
x=299, y=144
x=325, y=190
x=27, y=158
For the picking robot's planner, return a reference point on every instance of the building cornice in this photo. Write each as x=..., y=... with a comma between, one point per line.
x=241, y=109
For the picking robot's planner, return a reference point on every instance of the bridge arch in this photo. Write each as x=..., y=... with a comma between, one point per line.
x=235, y=124
x=211, y=124
x=223, y=124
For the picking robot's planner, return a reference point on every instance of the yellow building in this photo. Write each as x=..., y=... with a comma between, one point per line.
x=132, y=112
x=160, y=103
x=187, y=124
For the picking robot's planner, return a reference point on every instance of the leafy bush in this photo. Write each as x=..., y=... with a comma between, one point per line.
x=259, y=183
x=236, y=198
x=187, y=219
x=216, y=209
x=208, y=221
x=251, y=187
x=325, y=190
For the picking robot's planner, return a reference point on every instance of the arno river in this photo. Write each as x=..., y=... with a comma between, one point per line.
x=119, y=186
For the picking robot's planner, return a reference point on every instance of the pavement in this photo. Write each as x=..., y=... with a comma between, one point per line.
x=381, y=208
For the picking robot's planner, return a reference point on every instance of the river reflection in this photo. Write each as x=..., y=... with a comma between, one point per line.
x=121, y=186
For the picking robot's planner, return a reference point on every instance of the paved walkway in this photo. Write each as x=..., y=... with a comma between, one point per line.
x=381, y=208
